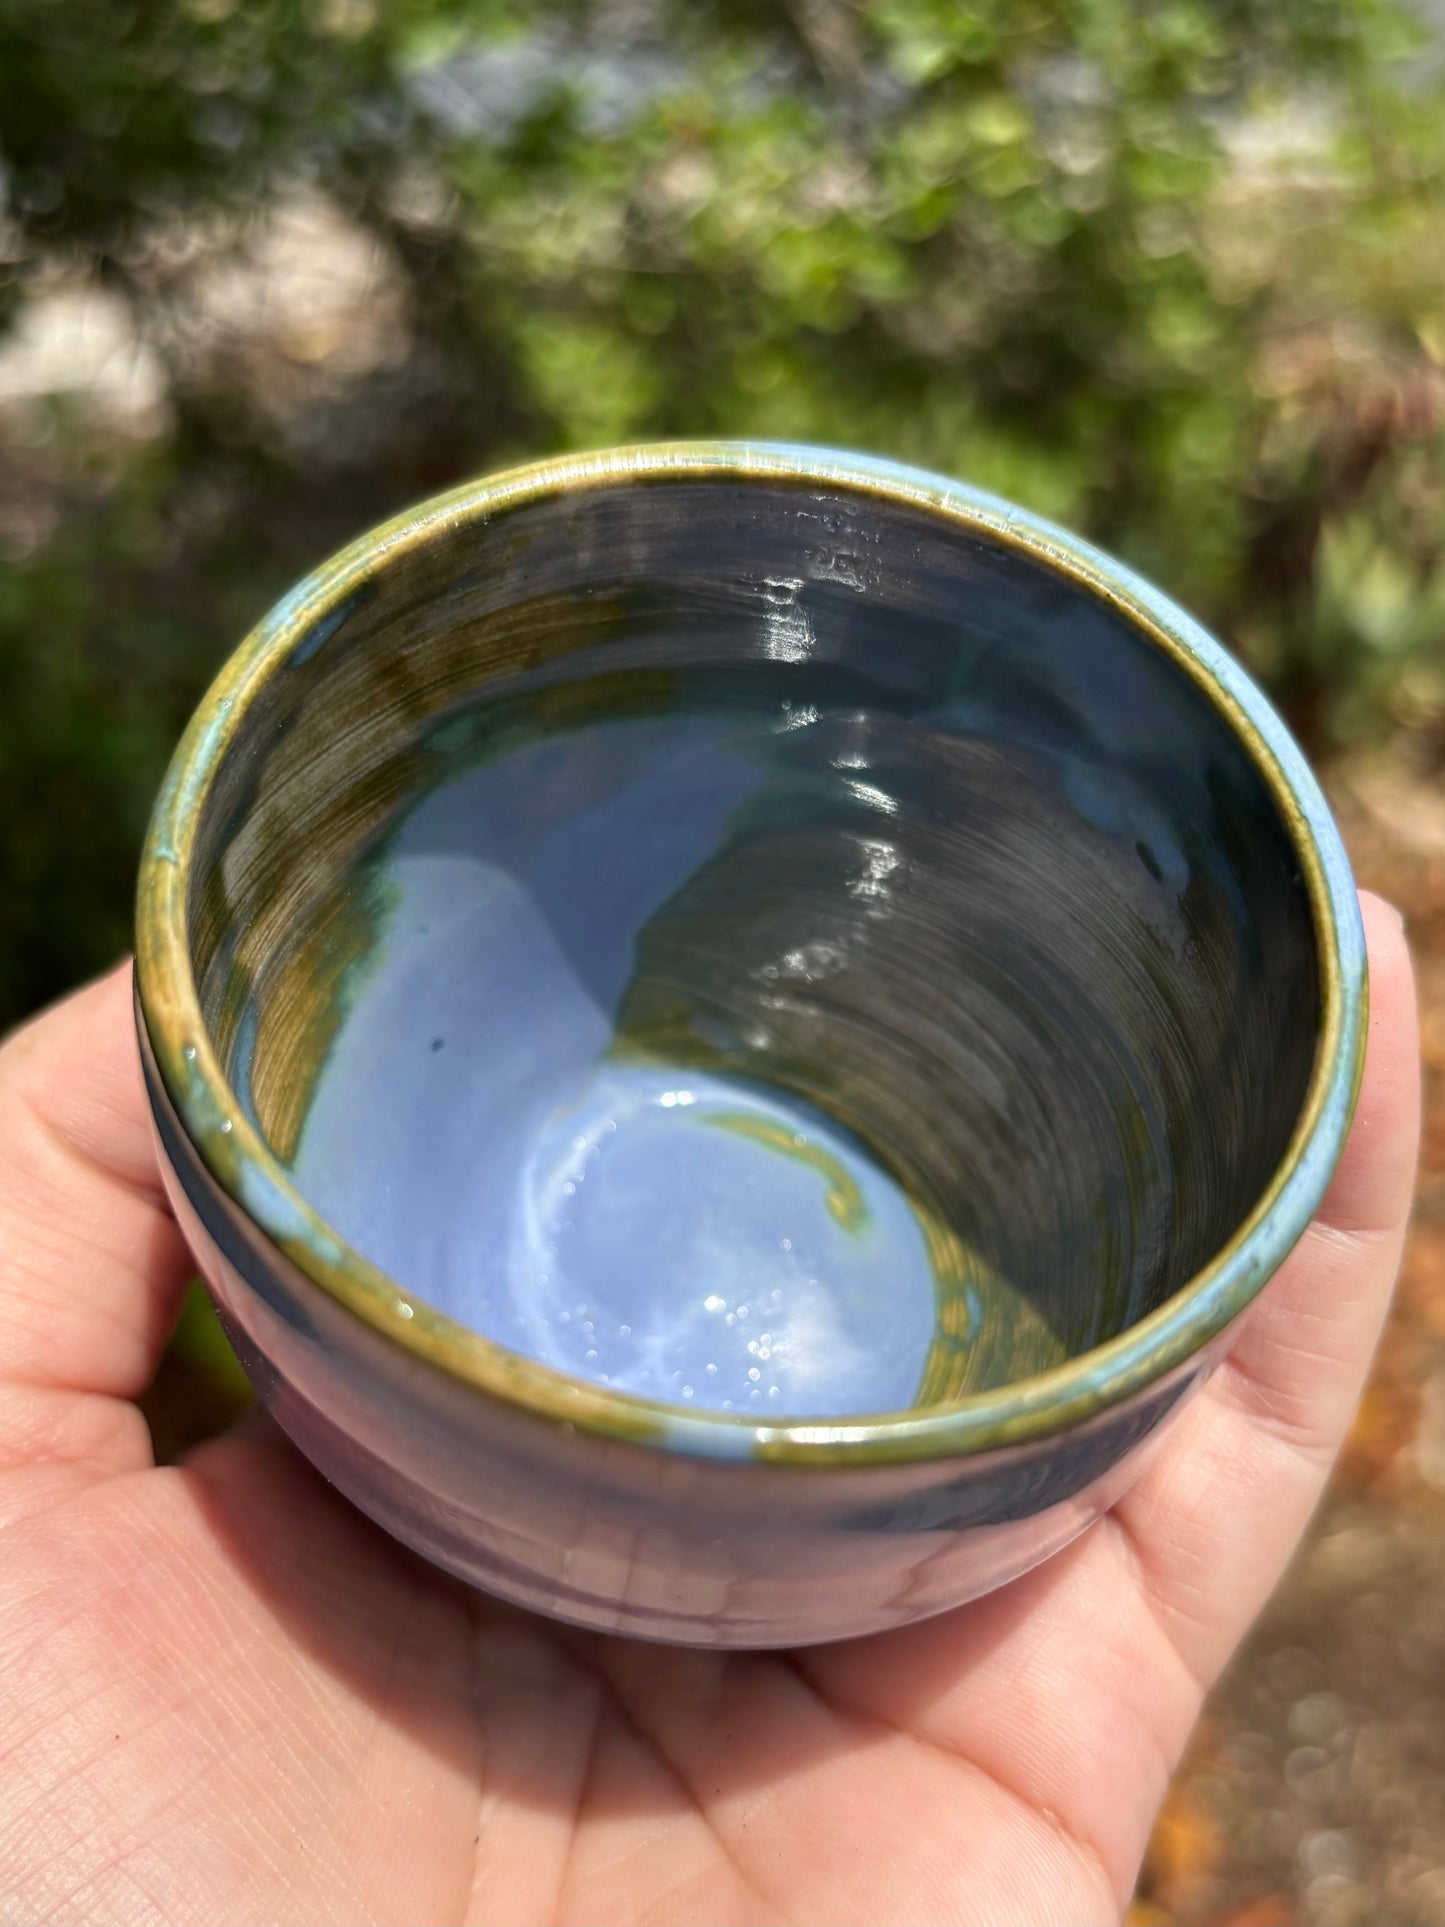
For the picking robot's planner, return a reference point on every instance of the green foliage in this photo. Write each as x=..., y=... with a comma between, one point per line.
x=1167, y=272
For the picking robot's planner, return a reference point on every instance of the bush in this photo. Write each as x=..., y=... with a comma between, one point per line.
x=1168, y=273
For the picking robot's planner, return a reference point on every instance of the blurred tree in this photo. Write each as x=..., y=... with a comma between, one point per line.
x=1167, y=272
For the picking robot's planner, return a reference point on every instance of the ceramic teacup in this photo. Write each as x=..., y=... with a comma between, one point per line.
x=733, y=1027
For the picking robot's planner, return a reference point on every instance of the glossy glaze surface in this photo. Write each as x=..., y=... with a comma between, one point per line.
x=626, y=979
x=671, y=890
x=626, y=1214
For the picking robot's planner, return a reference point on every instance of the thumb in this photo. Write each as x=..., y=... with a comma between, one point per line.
x=91, y=1262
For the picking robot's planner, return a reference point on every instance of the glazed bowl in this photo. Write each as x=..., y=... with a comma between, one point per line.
x=732, y=1028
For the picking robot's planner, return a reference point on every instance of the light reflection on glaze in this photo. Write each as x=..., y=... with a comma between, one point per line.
x=703, y=1243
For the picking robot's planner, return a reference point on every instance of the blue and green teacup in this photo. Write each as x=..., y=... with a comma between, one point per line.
x=733, y=1027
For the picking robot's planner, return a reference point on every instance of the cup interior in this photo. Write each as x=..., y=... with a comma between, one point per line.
x=755, y=943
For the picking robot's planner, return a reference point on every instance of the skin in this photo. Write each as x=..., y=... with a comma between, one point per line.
x=224, y=1696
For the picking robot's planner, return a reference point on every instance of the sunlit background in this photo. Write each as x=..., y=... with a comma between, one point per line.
x=1170, y=271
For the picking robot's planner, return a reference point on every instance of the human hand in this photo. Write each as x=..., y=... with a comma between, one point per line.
x=225, y=1696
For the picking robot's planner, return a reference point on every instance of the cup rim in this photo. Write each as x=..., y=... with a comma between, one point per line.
x=1048, y=1403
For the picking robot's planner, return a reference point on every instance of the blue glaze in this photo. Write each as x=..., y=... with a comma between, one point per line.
x=660, y=1229
x=324, y=627
x=243, y=1061
x=639, y=1239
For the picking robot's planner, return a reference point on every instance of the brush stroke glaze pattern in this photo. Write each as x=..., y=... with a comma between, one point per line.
x=762, y=959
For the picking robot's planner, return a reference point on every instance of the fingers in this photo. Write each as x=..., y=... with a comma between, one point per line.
x=1216, y=1519
x=1078, y=1686
x=91, y=1262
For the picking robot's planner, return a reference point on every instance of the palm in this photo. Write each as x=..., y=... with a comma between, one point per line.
x=226, y=1696
x=254, y=1663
